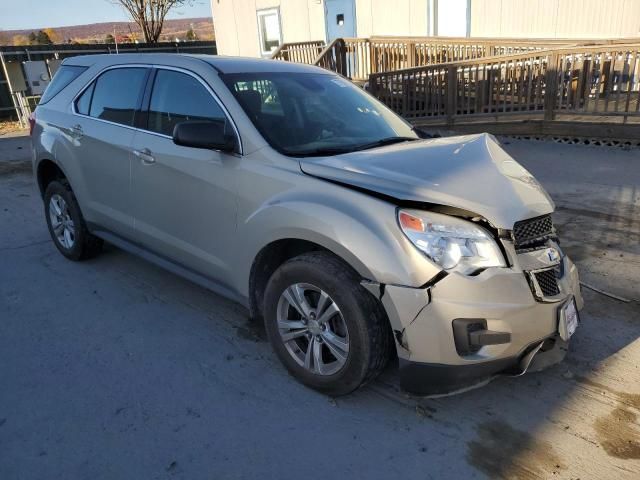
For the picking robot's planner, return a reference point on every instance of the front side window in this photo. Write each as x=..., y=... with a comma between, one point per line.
x=305, y=114
x=269, y=30
x=114, y=96
x=178, y=97
x=63, y=77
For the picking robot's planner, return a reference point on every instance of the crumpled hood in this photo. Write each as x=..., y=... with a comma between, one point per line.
x=471, y=172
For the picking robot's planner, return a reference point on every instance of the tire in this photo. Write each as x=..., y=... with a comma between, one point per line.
x=360, y=323
x=60, y=203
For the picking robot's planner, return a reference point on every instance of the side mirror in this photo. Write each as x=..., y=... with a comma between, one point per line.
x=209, y=135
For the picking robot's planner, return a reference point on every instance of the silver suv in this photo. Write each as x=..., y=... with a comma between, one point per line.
x=292, y=191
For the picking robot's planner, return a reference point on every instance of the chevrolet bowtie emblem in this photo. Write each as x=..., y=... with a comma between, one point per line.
x=553, y=255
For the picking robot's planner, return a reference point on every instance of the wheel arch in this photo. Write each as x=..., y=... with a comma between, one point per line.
x=47, y=171
x=360, y=231
x=272, y=256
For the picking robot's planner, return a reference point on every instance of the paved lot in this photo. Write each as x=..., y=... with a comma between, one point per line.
x=114, y=368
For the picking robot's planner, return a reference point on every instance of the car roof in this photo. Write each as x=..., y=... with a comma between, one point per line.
x=221, y=63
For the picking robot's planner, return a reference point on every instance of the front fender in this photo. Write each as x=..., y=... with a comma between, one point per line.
x=360, y=229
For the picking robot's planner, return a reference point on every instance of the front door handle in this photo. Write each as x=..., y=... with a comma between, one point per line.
x=145, y=156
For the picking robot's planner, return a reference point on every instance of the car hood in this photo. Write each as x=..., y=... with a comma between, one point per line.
x=470, y=172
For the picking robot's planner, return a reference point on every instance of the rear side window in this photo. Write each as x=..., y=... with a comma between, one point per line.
x=84, y=101
x=63, y=77
x=114, y=96
x=178, y=97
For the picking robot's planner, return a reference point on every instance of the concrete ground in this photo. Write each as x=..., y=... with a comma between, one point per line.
x=114, y=368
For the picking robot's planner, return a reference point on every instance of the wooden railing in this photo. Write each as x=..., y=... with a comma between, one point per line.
x=300, y=52
x=398, y=53
x=357, y=58
x=598, y=82
x=568, y=82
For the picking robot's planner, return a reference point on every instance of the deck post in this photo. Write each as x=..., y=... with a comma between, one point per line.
x=551, y=90
x=452, y=87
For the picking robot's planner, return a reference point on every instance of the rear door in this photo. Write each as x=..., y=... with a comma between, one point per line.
x=102, y=136
x=184, y=199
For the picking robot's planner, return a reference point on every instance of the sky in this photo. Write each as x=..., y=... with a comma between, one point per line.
x=31, y=14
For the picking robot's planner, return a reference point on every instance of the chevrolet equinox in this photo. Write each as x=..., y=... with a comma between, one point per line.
x=295, y=193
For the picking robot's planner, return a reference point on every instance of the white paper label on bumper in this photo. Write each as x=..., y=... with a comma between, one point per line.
x=568, y=320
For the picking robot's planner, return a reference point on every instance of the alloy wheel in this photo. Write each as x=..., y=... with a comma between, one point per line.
x=312, y=329
x=62, y=224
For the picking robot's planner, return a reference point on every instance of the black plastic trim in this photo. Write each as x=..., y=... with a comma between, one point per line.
x=437, y=379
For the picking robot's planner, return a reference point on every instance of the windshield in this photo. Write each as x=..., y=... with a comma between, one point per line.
x=306, y=114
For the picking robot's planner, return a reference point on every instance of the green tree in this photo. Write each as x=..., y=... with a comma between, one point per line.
x=52, y=35
x=39, y=38
x=191, y=35
x=109, y=39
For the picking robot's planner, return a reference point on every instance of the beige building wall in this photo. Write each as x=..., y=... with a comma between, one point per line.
x=391, y=17
x=236, y=23
x=555, y=18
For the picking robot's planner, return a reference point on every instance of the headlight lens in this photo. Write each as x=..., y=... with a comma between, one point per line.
x=452, y=243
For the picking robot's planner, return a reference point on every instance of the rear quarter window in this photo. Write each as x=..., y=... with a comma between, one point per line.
x=63, y=77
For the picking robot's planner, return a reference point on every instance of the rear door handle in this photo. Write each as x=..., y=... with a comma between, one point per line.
x=145, y=156
x=76, y=131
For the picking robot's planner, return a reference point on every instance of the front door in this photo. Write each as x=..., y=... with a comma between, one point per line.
x=340, y=18
x=184, y=199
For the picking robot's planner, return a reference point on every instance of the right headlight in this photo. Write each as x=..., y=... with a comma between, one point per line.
x=452, y=243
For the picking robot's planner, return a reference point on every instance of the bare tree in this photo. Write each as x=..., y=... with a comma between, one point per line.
x=149, y=14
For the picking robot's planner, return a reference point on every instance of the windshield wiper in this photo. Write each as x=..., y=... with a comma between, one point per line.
x=422, y=133
x=384, y=141
x=317, y=152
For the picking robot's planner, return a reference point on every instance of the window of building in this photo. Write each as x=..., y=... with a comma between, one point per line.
x=269, y=30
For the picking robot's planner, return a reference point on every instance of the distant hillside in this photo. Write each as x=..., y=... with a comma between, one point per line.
x=97, y=32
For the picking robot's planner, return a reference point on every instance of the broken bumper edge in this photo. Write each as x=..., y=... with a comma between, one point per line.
x=433, y=379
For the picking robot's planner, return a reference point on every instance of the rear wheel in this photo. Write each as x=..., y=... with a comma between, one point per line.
x=328, y=331
x=66, y=224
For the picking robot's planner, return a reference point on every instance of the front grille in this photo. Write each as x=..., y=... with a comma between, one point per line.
x=547, y=282
x=533, y=232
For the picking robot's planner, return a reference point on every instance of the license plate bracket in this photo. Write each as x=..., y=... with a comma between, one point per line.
x=568, y=319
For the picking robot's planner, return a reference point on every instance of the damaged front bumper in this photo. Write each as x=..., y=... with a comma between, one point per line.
x=463, y=330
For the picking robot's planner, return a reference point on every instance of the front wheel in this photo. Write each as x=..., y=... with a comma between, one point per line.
x=328, y=331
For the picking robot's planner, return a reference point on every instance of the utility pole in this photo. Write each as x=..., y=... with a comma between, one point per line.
x=115, y=39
